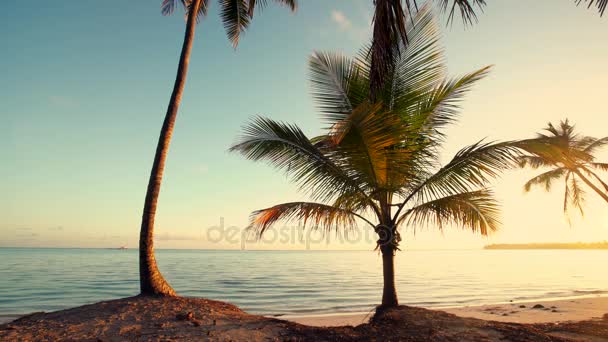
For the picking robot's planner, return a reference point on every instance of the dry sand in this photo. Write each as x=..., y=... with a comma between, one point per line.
x=576, y=309
x=198, y=319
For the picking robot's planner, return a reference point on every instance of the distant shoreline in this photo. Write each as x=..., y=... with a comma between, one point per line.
x=549, y=245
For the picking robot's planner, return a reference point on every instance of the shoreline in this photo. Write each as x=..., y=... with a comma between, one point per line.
x=553, y=310
x=571, y=308
x=145, y=318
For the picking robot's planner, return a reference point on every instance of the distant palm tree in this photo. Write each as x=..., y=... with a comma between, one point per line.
x=236, y=15
x=379, y=162
x=389, y=34
x=572, y=161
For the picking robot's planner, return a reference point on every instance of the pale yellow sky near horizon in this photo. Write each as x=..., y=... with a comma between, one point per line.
x=549, y=64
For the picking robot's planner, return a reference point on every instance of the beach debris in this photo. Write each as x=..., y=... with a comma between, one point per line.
x=538, y=306
x=505, y=314
x=214, y=322
x=522, y=306
x=554, y=310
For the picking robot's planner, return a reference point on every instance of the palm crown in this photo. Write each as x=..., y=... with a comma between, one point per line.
x=390, y=34
x=573, y=161
x=236, y=14
x=379, y=162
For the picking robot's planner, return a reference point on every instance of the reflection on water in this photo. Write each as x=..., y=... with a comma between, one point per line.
x=299, y=282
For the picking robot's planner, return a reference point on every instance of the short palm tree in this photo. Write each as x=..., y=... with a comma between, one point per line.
x=378, y=163
x=236, y=15
x=573, y=162
x=389, y=33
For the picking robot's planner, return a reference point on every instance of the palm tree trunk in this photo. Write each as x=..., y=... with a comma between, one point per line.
x=389, y=292
x=592, y=186
x=150, y=279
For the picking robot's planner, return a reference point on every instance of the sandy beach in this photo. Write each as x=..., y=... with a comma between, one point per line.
x=144, y=318
x=575, y=309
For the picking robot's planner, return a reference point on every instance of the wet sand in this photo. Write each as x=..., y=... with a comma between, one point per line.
x=576, y=309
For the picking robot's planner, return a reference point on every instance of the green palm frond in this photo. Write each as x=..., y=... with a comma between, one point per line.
x=419, y=70
x=545, y=179
x=330, y=76
x=235, y=17
x=318, y=216
x=389, y=34
x=472, y=167
x=287, y=148
x=442, y=105
x=475, y=210
x=370, y=143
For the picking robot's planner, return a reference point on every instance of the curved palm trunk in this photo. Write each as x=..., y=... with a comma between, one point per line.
x=150, y=279
x=592, y=186
x=389, y=292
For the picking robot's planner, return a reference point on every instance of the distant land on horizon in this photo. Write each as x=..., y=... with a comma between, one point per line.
x=549, y=245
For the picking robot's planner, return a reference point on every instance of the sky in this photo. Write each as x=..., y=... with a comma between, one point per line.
x=85, y=88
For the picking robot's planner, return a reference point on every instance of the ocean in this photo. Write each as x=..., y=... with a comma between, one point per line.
x=300, y=282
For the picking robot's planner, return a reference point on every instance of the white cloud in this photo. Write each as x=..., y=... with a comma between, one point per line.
x=341, y=20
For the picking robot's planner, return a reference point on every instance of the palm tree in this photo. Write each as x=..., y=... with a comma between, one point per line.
x=378, y=163
x=236, y=15
x=573, y=161
x=390, y=36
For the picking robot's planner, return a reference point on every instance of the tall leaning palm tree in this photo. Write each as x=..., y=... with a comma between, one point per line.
x=378, y=162
x=573, y=161
x=236, y=15
x=390, y=36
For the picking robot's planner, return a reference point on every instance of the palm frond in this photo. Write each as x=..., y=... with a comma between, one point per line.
x=471, y=167
x=168, y=7
x=331, y=76
x=600, y=4
x=475, y=210
x=545, y=179
x=534, y=162
x=577, y=194
x=419, y=68
x=600, y=166
x=442, y=105
x=465, y=7
x=595, y=145
x=320, y=216
x=367, y=139
x=261, y=4
x=389, y=33
x=287, y=148
x=235, y=17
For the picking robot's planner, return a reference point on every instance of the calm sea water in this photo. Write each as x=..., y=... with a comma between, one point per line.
x=299, y=282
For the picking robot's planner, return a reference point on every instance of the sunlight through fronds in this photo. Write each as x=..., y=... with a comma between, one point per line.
x=475, y=210
x=315, y=215
x=380, y=158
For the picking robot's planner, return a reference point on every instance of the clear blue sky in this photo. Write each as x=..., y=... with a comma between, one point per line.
x=85, y=86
